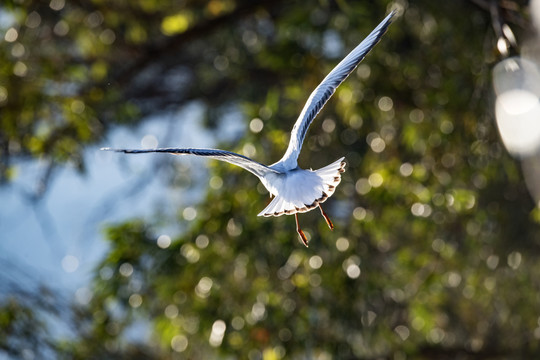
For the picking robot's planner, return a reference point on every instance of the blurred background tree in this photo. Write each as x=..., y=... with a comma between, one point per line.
x=436, y=248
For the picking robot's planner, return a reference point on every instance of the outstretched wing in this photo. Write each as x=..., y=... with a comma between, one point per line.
x=326, y=89
x=252, y=166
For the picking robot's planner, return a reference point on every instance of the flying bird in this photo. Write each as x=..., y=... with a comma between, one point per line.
x=295, y=190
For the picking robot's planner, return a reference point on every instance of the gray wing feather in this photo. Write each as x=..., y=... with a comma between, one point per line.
x=326, y=89
x=244, y=162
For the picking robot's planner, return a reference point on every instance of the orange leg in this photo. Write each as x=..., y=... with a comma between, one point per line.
x=300, y=232
x=328, y=221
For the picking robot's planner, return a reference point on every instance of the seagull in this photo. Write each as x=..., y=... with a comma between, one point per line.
x=294, y=190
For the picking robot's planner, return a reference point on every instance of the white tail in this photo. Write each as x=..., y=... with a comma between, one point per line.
x=303, y=190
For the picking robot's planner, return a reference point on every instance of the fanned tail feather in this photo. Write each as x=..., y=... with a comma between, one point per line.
x=307, y=195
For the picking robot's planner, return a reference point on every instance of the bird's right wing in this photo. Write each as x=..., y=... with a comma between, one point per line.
x=326, y=89
x=244, y=162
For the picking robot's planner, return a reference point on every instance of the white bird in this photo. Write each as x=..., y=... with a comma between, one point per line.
x=295, y=190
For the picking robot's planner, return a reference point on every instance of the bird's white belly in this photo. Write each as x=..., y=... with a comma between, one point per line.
x=293, y=184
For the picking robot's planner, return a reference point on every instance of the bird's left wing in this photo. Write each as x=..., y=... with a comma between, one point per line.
x=326, y=89
x=244, y=162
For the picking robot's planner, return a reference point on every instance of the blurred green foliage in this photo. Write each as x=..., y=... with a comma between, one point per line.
x=436, y=248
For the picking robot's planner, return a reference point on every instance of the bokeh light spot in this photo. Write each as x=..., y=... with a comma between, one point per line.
x=353, y=271
x=135, y=300
x=221, y=63
x=70, y=263
x=175, y=24
x=18, y=50
x=328, y=125
x=149, y=142
x=126, y=269
x=163, y=241
x=342, y=244
x=190, y=253
x=377, y=145
x=359, y=213
x=234, y=228
x=57, y=4
x=11, y=35
x=256, y=125
x=385, y=103
x=249, y=150
x=216, y=182
x=419, y=209
x=402, y=331
x=3, y=95
x=61, y=28
x=238, y=323
x=406, y=169
x=83, y=295
x=492, y=262
x=107, y=37
x=202, y=241
x=33, y=20
x=179, y=343
x=106, y=273
x=416, y=116
x=218, y=332
x=189, y=213
x=446, y=127
x=315, y=262
x=203, y=287
x=375, y=180
x=77, y=106
x=514, y=260
x=171, y=311
x=20, y=69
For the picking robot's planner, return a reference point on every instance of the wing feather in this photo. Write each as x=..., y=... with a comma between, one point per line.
x=244, y=162
x=326, y=89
